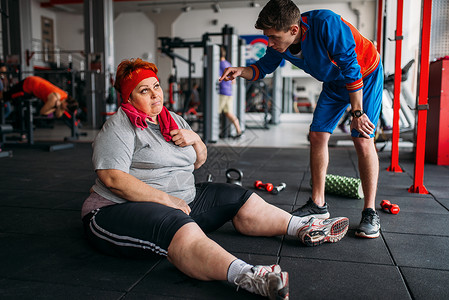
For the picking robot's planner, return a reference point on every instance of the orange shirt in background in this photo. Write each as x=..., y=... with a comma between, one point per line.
x=41, y=88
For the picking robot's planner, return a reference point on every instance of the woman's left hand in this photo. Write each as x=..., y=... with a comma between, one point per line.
x=184, y=137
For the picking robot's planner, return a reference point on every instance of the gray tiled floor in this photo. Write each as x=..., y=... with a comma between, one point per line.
x=44, y=255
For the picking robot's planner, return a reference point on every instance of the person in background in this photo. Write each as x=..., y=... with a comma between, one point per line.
x=55, y=100
x=226, y=100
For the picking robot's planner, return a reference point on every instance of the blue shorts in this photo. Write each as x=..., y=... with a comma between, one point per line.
x=334, y=100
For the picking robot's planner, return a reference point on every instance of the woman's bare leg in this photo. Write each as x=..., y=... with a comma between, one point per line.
x=197, y=256
x=259, y=218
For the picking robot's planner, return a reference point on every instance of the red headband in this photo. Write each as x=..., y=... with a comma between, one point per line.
x=130, y=82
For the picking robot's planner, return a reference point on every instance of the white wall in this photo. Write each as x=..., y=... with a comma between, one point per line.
x=410, y=44
x=70, y=36
x=134, y=33
x=36, y=30
x=70, y=31
x=36, y=13
x=193, y=24
x=134, y=36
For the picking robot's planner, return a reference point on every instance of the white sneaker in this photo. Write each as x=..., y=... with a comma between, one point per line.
x=318, y=231
x=267, y=281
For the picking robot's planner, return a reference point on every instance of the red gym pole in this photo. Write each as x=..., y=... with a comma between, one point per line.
x=394, y=166
x=423, y=104
x=380, y=15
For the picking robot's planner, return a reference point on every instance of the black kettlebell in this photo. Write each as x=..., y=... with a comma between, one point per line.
x=234, y=179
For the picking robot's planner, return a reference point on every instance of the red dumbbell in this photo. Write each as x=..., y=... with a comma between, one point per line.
x=260, y=185
x=388, y=207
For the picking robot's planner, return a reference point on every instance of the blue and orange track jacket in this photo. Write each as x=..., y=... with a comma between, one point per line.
x=332, y=51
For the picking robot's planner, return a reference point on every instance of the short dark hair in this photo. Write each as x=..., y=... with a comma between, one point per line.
x=72, y=104
x=278, y=15
x=222, y=51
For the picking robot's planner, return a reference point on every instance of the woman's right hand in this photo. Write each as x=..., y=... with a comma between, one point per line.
x=180, y=204
x=132, y=189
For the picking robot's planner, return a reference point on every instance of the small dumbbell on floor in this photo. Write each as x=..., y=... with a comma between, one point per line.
x=263, y=186
x=280, y=187
x=387, y=206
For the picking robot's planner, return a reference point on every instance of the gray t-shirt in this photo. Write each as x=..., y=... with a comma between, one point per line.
x=145, y=155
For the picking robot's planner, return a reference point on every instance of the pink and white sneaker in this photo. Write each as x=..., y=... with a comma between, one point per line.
x=268, y=281
x=318, y=231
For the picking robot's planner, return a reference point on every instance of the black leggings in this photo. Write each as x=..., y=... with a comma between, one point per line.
x=139, y=229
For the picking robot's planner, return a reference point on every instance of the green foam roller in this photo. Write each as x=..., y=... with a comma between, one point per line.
x=343, y=186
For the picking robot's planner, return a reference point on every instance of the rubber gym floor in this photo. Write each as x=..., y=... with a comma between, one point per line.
x=43, y=253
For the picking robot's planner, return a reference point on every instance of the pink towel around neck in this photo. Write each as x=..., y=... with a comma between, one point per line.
x=138, y=119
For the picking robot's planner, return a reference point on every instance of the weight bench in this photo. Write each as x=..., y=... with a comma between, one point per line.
x=25, y=121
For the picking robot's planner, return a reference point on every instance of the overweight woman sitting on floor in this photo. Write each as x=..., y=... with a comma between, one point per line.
x=145, y=200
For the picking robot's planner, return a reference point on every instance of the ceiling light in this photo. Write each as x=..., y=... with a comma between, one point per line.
x=216, y=7
x=254, y=4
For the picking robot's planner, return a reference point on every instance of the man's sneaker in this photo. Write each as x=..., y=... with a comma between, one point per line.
x=318, y=231
x=267, y=281
x=310, y=209
x=369, y=225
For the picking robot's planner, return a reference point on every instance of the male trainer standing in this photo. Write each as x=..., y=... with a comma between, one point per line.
x=330, y=49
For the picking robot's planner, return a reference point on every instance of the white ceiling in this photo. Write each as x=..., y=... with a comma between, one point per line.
x=159, y=6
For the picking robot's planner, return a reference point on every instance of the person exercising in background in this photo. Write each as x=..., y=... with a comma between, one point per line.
x=55, y=99
x=225, y=98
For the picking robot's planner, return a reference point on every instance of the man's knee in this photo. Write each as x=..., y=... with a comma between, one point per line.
x=318, y=138
x=230, y=116
x=364, y=146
